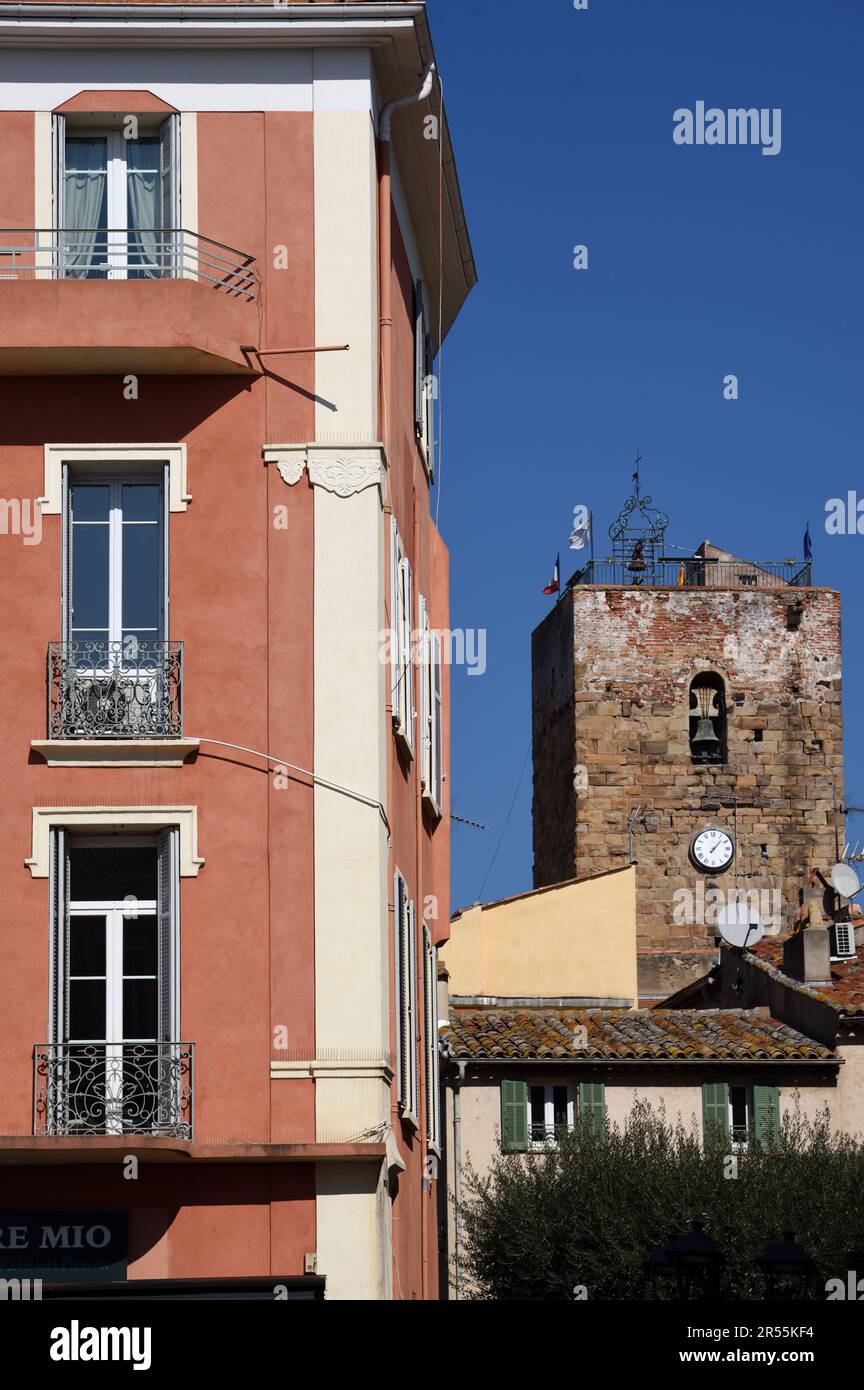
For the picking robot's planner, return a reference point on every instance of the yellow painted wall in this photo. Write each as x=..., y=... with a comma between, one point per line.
x=574, y=940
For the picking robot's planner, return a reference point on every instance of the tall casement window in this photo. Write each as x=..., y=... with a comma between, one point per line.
x=741, y=1114
x=114, y=1064
x=406, y=1001
x=707, y=720
x=535, y=1114
x=116, y=673
x=431, y=710
x=401, y=642
x=116, y=199
x=432, y=1069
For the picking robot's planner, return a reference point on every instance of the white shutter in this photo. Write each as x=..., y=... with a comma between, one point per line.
x=425, y=712
x=408, y=678
x=419, y=361
x=412, y=1010
x=397, y=631
x=169, y=193
x=430, y=1002
x=169, y=935
x=58, y=872
x=400, y=906
x=58, y=189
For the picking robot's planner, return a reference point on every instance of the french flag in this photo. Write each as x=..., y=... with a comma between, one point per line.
x=556, y=578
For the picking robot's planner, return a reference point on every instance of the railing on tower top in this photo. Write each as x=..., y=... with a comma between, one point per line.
x=141, y=253
x=697, y=572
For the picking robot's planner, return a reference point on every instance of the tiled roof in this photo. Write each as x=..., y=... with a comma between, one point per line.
x=846, y=995
x=685, y=1035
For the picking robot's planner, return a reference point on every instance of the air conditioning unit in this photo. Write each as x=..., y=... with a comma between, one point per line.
x=842, y=940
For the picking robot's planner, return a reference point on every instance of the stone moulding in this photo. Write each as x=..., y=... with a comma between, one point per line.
x=343, y=469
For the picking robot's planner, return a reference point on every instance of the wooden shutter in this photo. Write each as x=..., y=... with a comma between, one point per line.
x=58, y=172
x=592, y=1105
x=400, y=912
x=419, y=360
x=766, y=1116
x=514, y=1116
x=715, y=1110
x=169, y=192
x=437, y=734
x=58, y=873
x=412, y=1029
x=424, y=715
x=169, y=935
x=407, y=664
x=430, y=1003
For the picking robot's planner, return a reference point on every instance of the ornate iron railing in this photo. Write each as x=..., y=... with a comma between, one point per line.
x=696, y=572
x=128, y=689
x=114, y=1088
x=104, y=253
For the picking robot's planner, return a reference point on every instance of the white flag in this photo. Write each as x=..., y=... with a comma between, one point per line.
x=581, y=533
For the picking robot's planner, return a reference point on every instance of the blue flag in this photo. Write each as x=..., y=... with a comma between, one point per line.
x=808, y=548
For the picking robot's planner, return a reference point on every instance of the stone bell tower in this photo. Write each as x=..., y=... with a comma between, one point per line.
x=673, y=696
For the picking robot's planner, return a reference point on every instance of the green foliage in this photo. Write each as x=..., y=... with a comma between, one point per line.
x=588, y=1211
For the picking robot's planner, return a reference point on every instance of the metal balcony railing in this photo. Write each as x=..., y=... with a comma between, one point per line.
x=128, y=689
x=114, y=1088
x=698, y=573
x=104, y=253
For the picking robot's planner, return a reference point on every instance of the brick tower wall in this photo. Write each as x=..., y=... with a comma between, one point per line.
x=611, y=678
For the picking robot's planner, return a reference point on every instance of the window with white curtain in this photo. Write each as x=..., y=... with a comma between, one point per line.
x=117, y=200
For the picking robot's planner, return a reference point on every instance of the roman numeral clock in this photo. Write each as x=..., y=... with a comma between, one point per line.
x=712, y=850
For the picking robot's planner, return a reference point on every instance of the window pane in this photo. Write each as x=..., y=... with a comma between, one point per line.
x=738, y=1103
x=87, y=945
x=142, y=502
x=537, y=1103
x=142, y=571
x=139, y=1008
x=139, y=946
x=89, y=576
x=112, y=875
x=87, y=1010
x=559, y=1103
x=89, y=502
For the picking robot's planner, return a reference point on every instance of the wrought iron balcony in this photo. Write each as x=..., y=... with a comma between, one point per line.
x=696, y=572
x=140, y=254
x=115, y=690
x=114, y=1088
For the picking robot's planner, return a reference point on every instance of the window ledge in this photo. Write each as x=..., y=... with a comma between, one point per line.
x=410, y=1119
x=127, y=752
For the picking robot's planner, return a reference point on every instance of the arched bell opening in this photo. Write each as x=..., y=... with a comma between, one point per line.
x=707, y=719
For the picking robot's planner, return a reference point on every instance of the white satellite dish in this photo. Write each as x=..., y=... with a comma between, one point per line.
x=740, y=925
x=845, y=880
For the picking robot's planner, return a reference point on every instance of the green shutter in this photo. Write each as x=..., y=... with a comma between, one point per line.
x=592, y=1105
x=715, y=1110
x=514, y=1116
x=766, y=1114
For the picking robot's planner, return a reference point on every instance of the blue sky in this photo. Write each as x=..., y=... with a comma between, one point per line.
x=703, y=261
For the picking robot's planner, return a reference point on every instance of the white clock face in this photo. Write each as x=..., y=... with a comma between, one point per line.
x=712, y=850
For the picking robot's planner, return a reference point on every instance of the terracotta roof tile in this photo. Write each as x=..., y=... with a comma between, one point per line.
x=627, y=1034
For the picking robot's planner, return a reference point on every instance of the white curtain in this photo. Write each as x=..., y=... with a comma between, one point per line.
x=145, y=252
x=85, y=195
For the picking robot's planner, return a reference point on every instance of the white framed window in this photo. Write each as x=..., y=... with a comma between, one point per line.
x=116, y=199
x=406, y=1001
x=551, y=1112
x=115, y=590
x=740, y=1115
x=114, y=986
x=400, y=642
x=430, y=1009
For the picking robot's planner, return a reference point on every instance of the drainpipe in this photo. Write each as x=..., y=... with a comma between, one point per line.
x=385, y=325
x=457, y=1171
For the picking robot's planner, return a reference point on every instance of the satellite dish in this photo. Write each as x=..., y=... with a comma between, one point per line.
x=845, y=880
x=740, y=925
